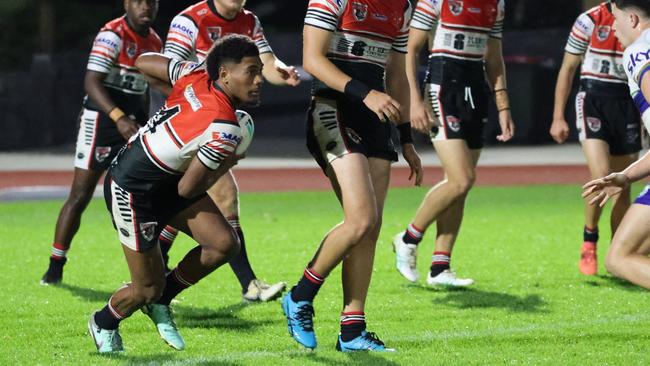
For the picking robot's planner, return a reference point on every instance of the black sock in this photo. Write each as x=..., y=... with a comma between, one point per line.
x=307, y=287
x=240, y=264
x=105, y=318
x=412, y=235
x=352, y=324
x=175, y=283
x=440, y=262
x=590, y=235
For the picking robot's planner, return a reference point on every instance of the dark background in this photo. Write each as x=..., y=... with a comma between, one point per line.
x=44, y=46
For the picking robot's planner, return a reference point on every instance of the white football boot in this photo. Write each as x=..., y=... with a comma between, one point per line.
x=406, y=257
x=448, y=278
x=260, y=291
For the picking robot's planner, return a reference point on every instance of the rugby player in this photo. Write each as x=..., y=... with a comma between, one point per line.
x=161, y=177
x=607, y=120
x=628, y=254
x=116, y=101
x=466, y=47
x=190, y=36
x=348, y=47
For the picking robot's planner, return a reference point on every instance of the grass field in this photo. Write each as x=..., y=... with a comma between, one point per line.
x=529, y=304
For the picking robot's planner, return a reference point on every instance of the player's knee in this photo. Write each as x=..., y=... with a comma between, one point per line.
x=221, y=249
x=614, y=262
x=79, y=198
x=461, y=186
x=363, y=227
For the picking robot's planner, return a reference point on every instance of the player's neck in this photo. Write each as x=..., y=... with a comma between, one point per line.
x=224, y=89
x=228, y=14
x=140, y=30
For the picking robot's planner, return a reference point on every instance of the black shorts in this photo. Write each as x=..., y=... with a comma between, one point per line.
x=98, y=140
x=139, y=218
x=615, y=120
x=336, y=127
x=461, y=110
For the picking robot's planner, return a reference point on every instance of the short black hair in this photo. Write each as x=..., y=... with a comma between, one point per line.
x=643, y=5
x=231, y=48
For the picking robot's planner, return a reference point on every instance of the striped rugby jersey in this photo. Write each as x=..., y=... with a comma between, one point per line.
x=194, y=30
x=636, y=59
x=114, y=51
x=593, y=37
x=364, y=34
x=462, y=27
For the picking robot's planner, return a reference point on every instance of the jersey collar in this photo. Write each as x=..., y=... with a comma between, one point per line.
x=214, y=10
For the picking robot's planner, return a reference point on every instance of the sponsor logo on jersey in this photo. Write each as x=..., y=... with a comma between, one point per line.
x=474, y=10
x=182, y=28
x=124, y=232
x=453, y=122
x=353, y=135
x=131, y=49
x=214, y=33
x=191, y=98
x=456, y=7
x=102, y=152
x=380, y=17
x=594, y=124
x=226, y=136
x=106, y=41
x=360, y=11
x=202, y=12
x=148, y=229
x=637, y=57
x=603, y=32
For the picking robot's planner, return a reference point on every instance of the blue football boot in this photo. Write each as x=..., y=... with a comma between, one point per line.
x=367, y=341
x=300, y=320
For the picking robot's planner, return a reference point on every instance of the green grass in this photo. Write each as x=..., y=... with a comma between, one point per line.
x=520, y=244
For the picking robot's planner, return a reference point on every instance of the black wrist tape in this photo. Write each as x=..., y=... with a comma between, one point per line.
x=356, y=90
x=405, y=136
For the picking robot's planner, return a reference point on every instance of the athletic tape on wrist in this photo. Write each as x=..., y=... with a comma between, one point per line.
x=405, y=136
x=356, y=90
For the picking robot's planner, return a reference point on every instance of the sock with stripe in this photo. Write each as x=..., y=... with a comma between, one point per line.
x=166, y=239
x=308, y=286
x=590, y=235
x=175, y=283
x=352, y=324
x=239, y=263
x=440, y=262
x=413, y=234
x=59, y=253
x=108, y=317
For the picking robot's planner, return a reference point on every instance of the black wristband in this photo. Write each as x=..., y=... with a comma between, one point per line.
x=405, y=136
x=356, y=90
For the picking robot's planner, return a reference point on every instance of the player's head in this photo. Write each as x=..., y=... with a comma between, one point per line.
x=230, y=6
x=141, y=13
x=631, y=19
x=234, y=62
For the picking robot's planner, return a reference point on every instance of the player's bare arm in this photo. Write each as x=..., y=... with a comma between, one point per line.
x=98, y=93
x=277, y=72
x=198, y=178
x=154, y=68
x=422, y=117
x=560, y=128
x=496, y=73
x=398, y=88
x=316, y=43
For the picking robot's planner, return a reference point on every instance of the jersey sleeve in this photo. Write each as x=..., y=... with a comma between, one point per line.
x=399, y=45
x=325, y=14
x=105, y=51
x=181, y=38
x=177, y=69
x=497, y=29
x=426, y=15
x=259, y=38
x=580, y=35
x=637, y=61
x=218, y=142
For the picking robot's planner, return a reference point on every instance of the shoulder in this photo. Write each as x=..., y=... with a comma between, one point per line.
x=196, y=11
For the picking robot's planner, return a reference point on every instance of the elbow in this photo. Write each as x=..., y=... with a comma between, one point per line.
x=186, y=190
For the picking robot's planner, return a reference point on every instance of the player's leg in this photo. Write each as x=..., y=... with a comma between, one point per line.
x=352, y=176
x=628, y=254
x=226, y=195
x=449, y=221
x=357, y=271
x=217, y=242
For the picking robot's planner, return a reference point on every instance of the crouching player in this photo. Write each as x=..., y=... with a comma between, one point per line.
x=161, y=177
x=628, y=255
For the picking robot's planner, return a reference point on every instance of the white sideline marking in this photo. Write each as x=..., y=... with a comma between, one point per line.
x=426, y=336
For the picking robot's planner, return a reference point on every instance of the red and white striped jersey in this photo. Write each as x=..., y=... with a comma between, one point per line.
x=198, y=119
x=462, y=27
x=593, y=37
x=115, y=49
x=194, y=30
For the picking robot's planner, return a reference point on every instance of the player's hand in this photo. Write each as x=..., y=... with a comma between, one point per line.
x=413, y=159
x=126, y=127
x=229, y=162
x=385, y=107
x=507, y=126
x=601, y=190
x=289, y=74
x=559, y=130
x=422, y=119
